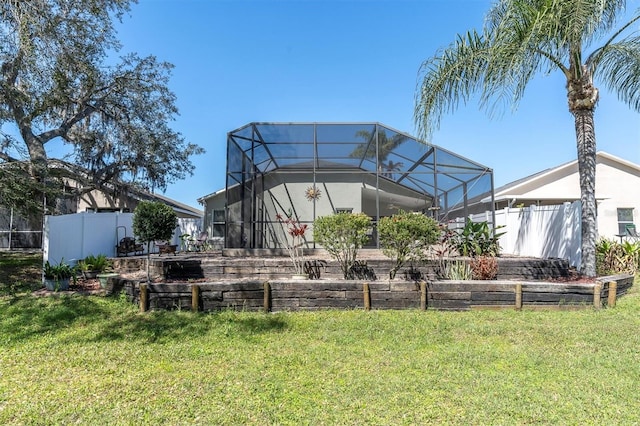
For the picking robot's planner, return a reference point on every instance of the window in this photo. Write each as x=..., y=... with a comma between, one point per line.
x=218, y=223
x=625, y=219
x=344, y=210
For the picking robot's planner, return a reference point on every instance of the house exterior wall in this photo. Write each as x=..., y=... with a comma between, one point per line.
x=617, y=186
x=279, y=192
x=211, y=205
x=97, y=200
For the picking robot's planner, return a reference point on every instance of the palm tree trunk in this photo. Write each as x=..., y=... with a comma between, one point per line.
x=586, y=141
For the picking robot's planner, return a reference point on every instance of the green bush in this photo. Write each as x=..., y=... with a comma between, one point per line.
x=60, y=271
x=153, y=221
x=406, y=236
x=342, y=235
x=476, y=239
x=99, y=263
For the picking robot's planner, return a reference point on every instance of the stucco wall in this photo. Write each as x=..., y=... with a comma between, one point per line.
x=281, y=191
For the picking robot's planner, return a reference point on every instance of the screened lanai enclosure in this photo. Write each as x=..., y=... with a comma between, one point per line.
x=308, y=170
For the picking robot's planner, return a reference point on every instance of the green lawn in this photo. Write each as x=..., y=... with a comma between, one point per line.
x=94, y=360
x=20, y=272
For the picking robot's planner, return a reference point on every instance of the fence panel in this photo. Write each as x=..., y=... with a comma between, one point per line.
x=537, y=231
x=74, y=236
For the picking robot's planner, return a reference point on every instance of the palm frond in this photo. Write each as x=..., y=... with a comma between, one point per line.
x=520, y=39
x=618, y=68
x=449, y=78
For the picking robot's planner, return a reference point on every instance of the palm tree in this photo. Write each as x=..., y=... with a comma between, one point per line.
x=385, y=146
x=522, y=38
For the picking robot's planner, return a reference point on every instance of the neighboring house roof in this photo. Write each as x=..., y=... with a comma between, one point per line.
x=519, y=188
x=135, y=193
x=177, y=206
x=204, y=198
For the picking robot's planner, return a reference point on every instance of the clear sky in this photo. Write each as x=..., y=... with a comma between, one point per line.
x=238, y=61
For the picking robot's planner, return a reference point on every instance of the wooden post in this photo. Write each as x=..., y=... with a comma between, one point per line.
x=423, y=295
x=367, y=296
x=195, y=298
x=519, y=296
x=144, y=297
x=267, y=297
x=596, y=296
x=613, y=288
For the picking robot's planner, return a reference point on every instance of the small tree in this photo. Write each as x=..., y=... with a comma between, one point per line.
x=153, y=221
x=342, y=235
x=406, y=236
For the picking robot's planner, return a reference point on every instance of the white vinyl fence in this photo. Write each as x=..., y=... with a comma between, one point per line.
x=72, y=237
x=537, y=231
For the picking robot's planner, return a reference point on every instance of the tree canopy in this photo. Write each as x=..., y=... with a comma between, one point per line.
x=583, y=39
x=60, y=79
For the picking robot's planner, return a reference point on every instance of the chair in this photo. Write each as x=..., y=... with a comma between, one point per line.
x=164, y=247
x=200, y=243
x=632, y=233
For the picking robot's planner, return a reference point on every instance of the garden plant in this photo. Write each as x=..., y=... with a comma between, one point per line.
x=342, y=235
x=153, y=221
x=614, y=258
x=294, y=239
x=406, y=237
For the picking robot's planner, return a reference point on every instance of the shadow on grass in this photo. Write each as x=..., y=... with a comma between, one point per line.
x=98, y=319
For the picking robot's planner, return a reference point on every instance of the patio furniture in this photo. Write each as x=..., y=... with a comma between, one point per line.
x=165, y=248
x=200, y=243
x=632, y=233
x=128, y=245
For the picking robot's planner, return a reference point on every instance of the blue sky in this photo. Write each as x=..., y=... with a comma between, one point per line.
x=238, y=61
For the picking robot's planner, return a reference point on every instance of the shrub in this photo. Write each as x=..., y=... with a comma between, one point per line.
x=406, y=236
x=153, y=221
x=484, y=268
x=342, y=235
x=615, y=258
x=476, y=239
x=99, y=263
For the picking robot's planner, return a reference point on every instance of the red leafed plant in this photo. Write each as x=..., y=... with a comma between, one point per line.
x=484, y=268
x=294, y=240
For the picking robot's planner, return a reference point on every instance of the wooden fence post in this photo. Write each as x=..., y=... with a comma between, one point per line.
x=519, y=296
x=195, y=298
x=611, y=300
x=596, y=296
x=423, y=295
x=144, y=297
x=367, y=296
x=267, y=297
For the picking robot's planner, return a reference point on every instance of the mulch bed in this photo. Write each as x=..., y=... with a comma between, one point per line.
x=81, y=287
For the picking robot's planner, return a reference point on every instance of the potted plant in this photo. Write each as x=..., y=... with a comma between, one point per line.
x=58, y=276
x=92, y=265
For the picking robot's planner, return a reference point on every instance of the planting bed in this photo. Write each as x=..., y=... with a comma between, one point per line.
x=257, y=283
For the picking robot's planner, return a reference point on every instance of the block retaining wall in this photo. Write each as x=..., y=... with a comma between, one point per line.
x=262, y=269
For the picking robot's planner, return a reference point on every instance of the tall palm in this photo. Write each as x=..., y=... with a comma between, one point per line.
x=522, y=38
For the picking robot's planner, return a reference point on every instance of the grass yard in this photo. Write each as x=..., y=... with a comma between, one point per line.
x=96, y=360
x=20, y=272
